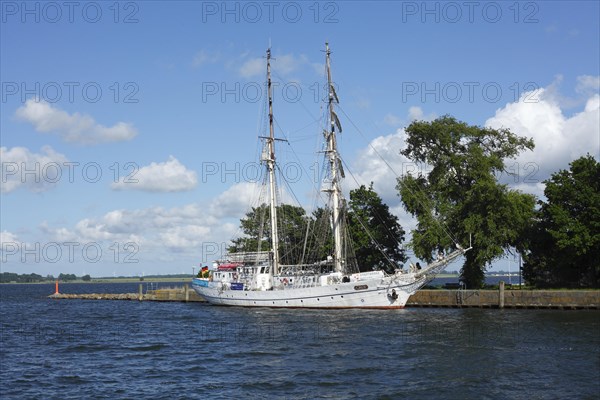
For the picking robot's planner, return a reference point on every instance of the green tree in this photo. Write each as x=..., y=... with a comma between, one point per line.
x=376, y=233
x=292, y=231
x=256, y=229
x=461, y=196
x=320, y=237
x=6, y=277
x=67, y=277
x=565, y=241
x=256, y=226
x=86, y=278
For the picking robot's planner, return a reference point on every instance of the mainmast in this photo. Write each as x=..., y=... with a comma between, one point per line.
x=336, y=168
x=270, y=159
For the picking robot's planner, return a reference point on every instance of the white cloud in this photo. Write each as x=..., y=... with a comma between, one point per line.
x=93, y=231
x=283, y=65
x=288, y=63
x=319, y=68
x=252, y=67
x=236, y=200
x=239, y=198
x=182, y=237
x=59, y=235
x=381, y=163
x=392, y=120
x=415, y=113
x=72, y=128
x=8, y=237
x=362, y=102
x=142, y=221
x=37, y=172
x=204, y=57
x=156, y=229
x=11, y=247
x=558, y=139
x=165, y=239
x=168, y=176
x=587, y=84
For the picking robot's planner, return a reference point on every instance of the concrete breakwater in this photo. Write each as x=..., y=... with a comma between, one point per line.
x=501, y=298
x=184, y=294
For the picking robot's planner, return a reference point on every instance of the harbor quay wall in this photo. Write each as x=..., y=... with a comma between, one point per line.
x=180, y=294
x=560, y=299
x=500, y=298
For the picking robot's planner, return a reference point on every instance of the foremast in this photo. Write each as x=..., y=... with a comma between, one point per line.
x=269, y=158
x=336, y=169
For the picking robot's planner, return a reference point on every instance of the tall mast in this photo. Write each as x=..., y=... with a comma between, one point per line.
x=270, y=159
x=335, y=165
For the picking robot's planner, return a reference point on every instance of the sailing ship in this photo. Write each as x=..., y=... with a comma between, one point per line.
x=260, y=279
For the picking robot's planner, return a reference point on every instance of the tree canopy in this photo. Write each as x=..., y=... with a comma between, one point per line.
x=376, y=233
x=460, y=195
x=564, y=242
x=257, y=231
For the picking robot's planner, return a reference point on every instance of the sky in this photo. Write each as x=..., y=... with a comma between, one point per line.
x=129, y=130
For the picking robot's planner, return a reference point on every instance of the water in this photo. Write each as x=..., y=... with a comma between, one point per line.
x=70, y=349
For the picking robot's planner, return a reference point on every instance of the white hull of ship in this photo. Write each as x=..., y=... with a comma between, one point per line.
x=385, y=292
x=363, y=294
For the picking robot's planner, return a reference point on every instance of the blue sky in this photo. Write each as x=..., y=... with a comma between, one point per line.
x=171, y=91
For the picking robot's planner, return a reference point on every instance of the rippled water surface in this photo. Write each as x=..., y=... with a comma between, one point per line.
x=68, y=349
